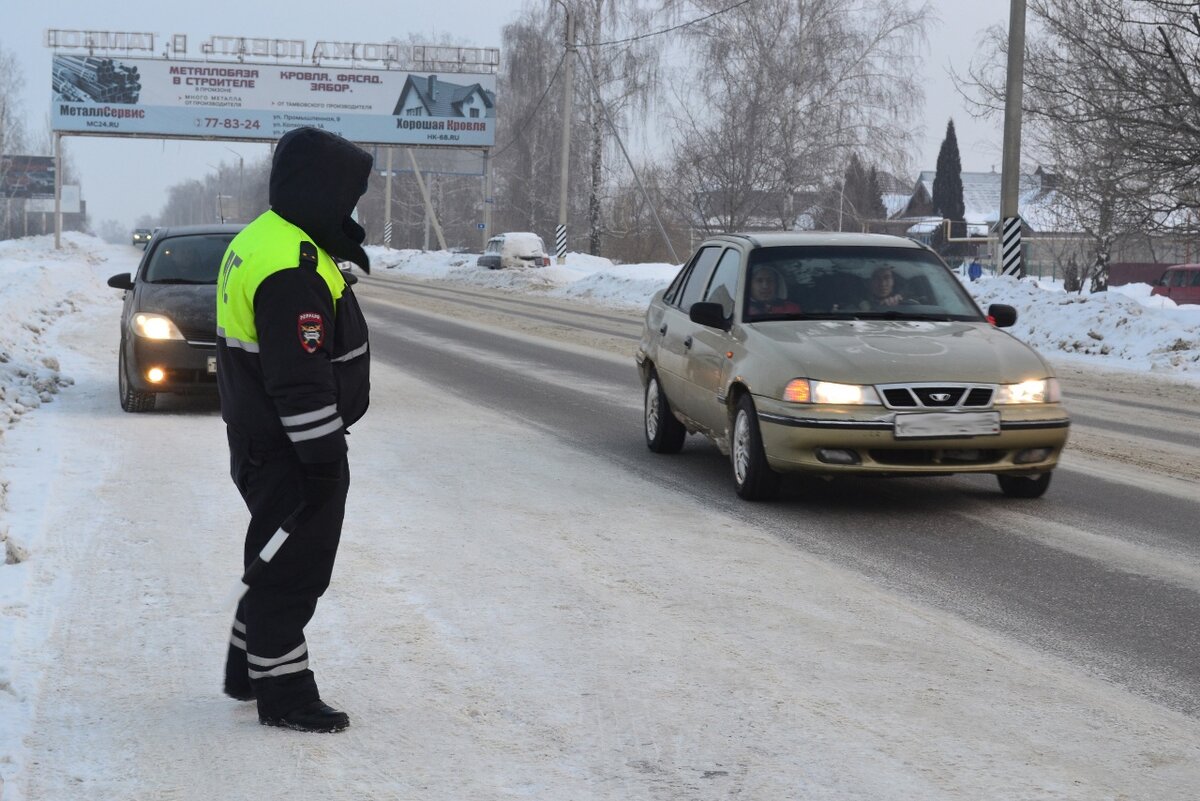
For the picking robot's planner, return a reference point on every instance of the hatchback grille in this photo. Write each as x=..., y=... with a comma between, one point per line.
x=936, y=396
x=198, y=336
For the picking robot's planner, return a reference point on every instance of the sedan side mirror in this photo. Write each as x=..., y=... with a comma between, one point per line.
x=122, y=281
x=1002, y=315
x=350, y=277
x=711, y=315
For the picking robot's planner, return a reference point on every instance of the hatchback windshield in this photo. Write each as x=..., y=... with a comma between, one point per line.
x=853, y=283
x=194, y=259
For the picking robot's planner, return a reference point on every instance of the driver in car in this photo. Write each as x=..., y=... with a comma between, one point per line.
x=881, y=291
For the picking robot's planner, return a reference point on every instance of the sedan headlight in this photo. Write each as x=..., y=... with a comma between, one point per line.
x=803, y=390
x=155, y=326
x=1041, y=391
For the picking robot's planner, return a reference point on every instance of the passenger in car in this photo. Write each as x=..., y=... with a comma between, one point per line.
x=768, y=295
x=881, y=290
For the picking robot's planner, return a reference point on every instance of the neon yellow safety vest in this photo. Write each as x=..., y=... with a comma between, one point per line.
x=263, y=248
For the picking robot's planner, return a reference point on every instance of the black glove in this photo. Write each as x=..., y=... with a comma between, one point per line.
x=322, y=480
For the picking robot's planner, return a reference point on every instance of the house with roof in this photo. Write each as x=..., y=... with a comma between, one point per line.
x=429, y=96
x=981, y=203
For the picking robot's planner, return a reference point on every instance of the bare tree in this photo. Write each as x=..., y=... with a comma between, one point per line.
x=1110, y=103
x=790, y=88
x=620, y=75
x=528, y=130
x=12, y=135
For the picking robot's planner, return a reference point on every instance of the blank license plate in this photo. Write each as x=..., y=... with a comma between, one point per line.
x=947, y=424
x=212, y=364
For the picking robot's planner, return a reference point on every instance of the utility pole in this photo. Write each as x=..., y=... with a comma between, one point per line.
x=387, y=203
x=560, y=233
x=1010, y=170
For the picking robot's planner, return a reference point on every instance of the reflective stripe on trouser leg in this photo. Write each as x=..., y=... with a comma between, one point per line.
x=294, y=661
x=238, y=638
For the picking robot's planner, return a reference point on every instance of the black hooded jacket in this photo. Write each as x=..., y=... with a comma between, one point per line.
x=302, y=378
x=316, y=181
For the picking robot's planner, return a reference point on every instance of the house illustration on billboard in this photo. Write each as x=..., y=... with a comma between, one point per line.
x=428, y=96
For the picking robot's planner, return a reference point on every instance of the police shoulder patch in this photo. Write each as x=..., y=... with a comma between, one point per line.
x=308, y=255
x=311, y=329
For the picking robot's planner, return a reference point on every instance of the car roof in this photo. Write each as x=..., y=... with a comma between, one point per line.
x=209, y=228
x=1184, y=267
x=774, y=239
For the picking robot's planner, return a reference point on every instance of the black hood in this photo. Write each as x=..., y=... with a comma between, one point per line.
x=316, y=180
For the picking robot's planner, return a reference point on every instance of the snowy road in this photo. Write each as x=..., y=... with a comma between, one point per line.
x=516, y=615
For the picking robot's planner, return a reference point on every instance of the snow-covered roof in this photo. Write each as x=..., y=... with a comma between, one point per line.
x=1036, y=199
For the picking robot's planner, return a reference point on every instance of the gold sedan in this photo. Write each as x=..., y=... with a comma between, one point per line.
x=834, y=354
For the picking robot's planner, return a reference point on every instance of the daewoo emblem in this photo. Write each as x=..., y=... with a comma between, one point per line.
x=940, y=397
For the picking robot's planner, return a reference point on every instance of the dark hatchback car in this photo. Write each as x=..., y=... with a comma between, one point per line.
x=169, y=321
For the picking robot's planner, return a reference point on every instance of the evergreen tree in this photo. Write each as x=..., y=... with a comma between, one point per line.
x=948, y=191
x=873, y=199
x=852, y=194
x=947, y=182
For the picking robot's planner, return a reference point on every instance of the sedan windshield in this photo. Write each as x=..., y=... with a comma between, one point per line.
x=853, y=283
x=194, y=259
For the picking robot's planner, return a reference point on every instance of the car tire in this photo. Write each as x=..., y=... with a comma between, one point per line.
x=131, y=399
x=1024, y=486
x=664, y=433
x=753, y=478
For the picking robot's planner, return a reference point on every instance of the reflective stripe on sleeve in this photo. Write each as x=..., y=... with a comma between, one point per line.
x=309, y=417
x=299, y=427
x=313, y=433
x=354, y=354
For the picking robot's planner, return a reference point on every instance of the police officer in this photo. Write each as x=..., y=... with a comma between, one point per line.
x=292, y=369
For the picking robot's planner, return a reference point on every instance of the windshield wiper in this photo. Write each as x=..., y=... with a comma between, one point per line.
x=180, y=281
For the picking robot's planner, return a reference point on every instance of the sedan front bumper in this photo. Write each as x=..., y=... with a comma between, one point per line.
x=864, y=440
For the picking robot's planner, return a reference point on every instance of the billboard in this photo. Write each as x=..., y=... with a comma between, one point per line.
x=26, y=176
x=159, y=97
x=70, y=202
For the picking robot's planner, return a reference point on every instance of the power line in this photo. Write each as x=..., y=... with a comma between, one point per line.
x=538, y=105
x=666, y=30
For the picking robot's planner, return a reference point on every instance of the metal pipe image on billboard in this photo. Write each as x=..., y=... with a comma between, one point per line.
x=229, y=100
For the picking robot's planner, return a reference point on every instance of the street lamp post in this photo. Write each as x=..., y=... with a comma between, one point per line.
x=241, y=200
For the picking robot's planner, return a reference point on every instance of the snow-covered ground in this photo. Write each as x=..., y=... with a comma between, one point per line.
x=605, y=701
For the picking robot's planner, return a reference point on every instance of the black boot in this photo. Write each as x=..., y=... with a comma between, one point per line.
x=239, y=693
x=313, y=716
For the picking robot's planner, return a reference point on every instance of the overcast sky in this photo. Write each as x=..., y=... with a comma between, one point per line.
x=124, y=179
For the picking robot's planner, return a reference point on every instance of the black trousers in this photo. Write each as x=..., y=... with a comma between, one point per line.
x=268, y=652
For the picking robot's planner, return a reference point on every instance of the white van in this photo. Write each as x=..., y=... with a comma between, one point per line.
x=514, y=249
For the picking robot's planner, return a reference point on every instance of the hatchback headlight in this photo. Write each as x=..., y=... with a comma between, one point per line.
x=803, y=390
x=155, y=326
x=1040, y=391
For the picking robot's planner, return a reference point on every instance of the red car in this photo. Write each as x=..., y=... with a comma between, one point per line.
x=1180, y=283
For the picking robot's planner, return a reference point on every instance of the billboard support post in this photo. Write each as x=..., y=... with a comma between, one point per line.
x=437, y=228
x=57, y=191
x=487, y=199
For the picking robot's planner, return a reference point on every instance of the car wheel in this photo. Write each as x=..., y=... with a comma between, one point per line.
x=131, y=399
x=753, y=478
x=664, y=434
x=1023, y=486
